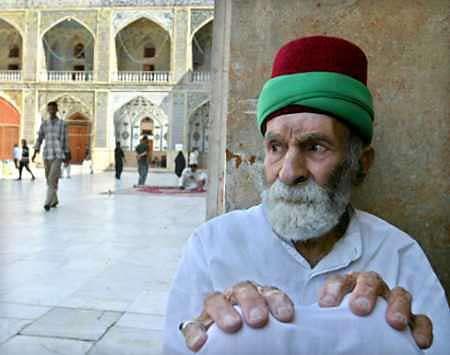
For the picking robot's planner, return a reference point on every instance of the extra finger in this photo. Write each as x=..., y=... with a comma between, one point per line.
x=422, y=331
x=398, y=312
x=254, y=307
x=219, y=308
x=195, y=335
x=369, y=285
x=335, y=288
x=280, y=305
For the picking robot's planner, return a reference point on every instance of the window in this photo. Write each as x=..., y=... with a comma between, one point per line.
x=78, y=51
x=14, y=52
x=13, y=67
x=78, y=67
x=149, y=52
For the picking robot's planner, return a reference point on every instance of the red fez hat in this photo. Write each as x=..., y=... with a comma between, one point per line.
x=322, y=54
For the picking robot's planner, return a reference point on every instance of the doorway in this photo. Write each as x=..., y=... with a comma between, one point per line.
x=79, y=137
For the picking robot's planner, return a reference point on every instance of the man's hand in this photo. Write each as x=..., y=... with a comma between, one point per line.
x=34, y=156
x=255, y=302
x=365, y=287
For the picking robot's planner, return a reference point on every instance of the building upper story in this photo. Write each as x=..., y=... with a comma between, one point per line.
x=105, y=43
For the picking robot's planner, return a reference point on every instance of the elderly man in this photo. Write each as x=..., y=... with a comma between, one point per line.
x=287, y=265
x=54, y=132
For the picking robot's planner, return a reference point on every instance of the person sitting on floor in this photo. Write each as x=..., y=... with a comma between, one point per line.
x=193, y=179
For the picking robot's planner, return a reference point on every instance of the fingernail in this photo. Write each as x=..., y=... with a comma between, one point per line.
x=362, y=303
x=196, y=341
x=399, y=317
x=229, y=321
x=422, y=340
x=255, y=315
x=328, y=300
x=284, y=312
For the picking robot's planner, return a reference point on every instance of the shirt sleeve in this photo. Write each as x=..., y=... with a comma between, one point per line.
x=417, y=276
x=190, y=287
x=40, y=138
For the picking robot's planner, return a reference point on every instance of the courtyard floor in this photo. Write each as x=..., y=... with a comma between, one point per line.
x=92, y=275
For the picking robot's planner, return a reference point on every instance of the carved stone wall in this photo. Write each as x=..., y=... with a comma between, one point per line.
x=200, y=17
x=121, y=19
x=101, y=119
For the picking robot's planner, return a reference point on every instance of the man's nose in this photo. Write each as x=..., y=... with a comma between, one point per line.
x=294, y=170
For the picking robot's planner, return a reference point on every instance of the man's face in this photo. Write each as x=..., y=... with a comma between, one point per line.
x=51, y=109
x=307, y=174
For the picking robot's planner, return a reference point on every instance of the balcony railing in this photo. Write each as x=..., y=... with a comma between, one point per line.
x=10, y=75
x=142, y=76
x=199, y=76
x=67, y=76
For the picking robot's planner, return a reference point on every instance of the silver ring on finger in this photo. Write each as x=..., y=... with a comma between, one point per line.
x=183, y=325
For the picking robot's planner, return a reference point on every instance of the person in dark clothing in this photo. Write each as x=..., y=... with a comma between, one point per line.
x=25, y=160
x=180, y=163
x=66, y=165
x=142, y=156
x=119, y=158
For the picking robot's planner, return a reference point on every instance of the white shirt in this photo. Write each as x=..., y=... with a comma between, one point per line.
x=17, y=153
x=241, y=245
x=193, y=157
x=191, y=180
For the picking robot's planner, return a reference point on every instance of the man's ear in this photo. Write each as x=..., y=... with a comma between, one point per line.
x=364, y=164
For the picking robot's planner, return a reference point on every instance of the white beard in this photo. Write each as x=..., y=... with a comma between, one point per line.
x=306, y=211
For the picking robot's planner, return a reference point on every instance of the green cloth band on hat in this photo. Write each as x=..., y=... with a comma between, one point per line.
x=340, y=95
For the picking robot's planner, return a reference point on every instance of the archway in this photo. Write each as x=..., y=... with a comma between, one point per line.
x=69, y=47
x=202, y=48
x=9, y=129
x=78, y=127
x=11, y=53
x=143, y=46
x=198, y=132
x=137, y=117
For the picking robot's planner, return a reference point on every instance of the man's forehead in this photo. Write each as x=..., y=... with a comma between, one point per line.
x=305, y=122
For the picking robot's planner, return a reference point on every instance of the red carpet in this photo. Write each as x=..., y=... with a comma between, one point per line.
x=168, y=190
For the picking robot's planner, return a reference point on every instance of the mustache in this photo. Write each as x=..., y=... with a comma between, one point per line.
x=305, y=193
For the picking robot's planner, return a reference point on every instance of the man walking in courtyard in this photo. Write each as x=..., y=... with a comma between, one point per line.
x=54, y=132
x=142, y=156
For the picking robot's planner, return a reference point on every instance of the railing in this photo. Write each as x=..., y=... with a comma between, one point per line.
x=199, y=76
x=10, y=75
x=67, y=76
x=142, y=76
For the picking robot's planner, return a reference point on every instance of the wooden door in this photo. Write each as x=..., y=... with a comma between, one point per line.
x=78, y=141
x=9, y=135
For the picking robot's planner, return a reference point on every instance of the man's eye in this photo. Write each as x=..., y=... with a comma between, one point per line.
x=317, y=148
x=274, y=147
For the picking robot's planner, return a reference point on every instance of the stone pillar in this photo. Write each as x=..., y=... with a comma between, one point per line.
x=103, y=42
x=31, y=119
x=102, y=154
x=31, y=45
x=179, y=44
x=219, y=108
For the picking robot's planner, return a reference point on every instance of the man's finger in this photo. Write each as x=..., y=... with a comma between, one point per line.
x=335, y=288
x=398, y=312
x=254, y=307
x=280, y=305
x=222, y=312
x=369, y=285
x=422, y=331
x=194, y=334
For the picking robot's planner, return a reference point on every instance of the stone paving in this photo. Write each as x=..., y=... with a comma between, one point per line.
x=91, y=276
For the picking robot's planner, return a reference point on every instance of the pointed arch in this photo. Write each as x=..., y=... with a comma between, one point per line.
x=68, y=18
x=138, y=17
x=13, y=25
x=199, y=27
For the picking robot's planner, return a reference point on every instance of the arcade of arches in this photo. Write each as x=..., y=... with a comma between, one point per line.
x=117, y=73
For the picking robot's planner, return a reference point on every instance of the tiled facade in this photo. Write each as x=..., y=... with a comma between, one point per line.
x=114, y=86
